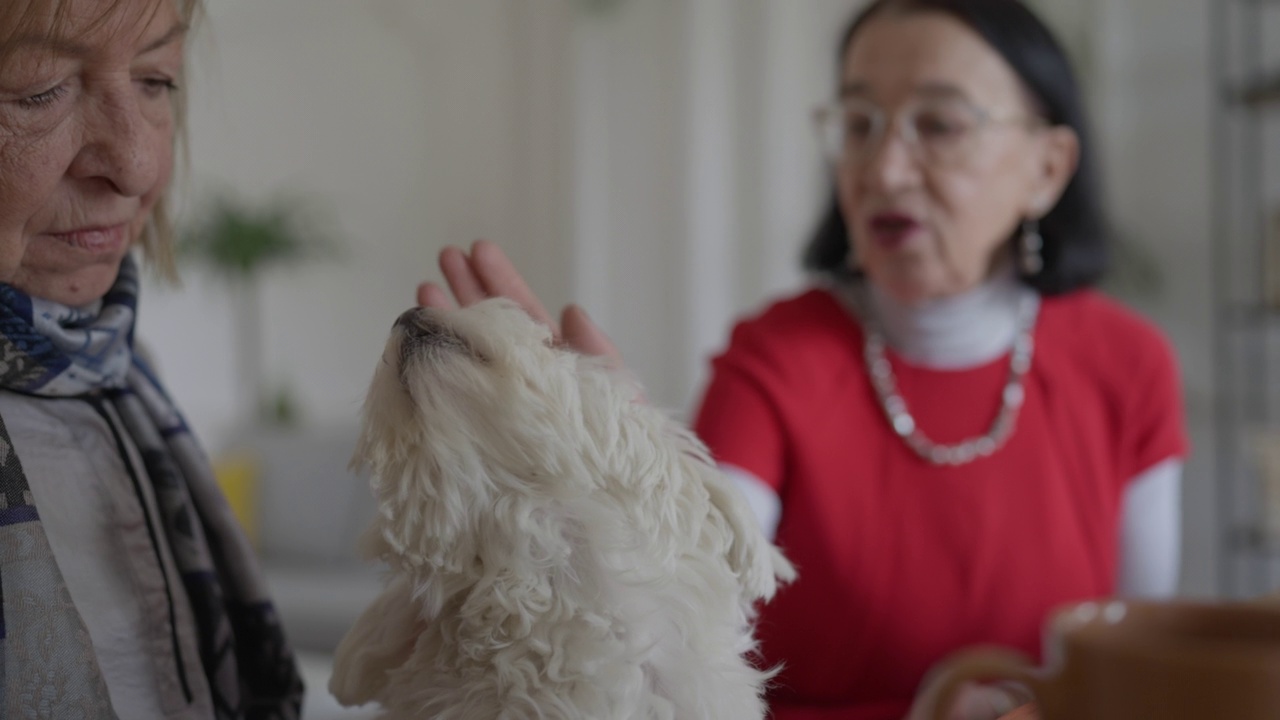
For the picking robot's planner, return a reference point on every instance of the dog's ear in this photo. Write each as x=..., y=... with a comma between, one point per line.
x=427, y=516
x=425, y=485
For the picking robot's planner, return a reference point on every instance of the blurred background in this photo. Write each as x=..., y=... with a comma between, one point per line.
x=654, y=161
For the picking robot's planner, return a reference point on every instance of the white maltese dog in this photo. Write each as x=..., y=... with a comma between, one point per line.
x=558, y=549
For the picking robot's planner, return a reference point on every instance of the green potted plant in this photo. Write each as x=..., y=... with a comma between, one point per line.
x=240, y=242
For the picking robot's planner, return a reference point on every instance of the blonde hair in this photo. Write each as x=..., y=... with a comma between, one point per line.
x=17, y=18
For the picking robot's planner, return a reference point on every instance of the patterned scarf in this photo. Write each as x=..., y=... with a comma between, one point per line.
x=55, y=351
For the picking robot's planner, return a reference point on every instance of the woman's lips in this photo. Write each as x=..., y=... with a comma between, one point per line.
x=892, y=230
x=99, y=239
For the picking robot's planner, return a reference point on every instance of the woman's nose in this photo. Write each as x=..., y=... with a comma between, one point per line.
x=121, y=145
x=891, y=163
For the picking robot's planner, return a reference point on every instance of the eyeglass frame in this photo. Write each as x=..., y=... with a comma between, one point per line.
x=908, y=132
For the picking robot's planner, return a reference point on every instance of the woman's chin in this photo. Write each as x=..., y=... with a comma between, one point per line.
x=905, y=288
x=915, y=285
x=76, y=288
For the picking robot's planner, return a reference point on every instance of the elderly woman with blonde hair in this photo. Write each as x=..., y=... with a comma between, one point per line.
x=128, y=590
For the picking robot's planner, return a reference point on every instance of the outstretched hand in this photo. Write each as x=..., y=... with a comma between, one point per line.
x=487, y=272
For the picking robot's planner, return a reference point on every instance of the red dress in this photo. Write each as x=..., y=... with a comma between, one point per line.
x=902, y=562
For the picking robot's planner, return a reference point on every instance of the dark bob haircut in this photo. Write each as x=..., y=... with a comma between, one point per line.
x=1075, y=243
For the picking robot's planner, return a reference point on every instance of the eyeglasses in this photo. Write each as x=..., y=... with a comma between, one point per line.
x=940, y=133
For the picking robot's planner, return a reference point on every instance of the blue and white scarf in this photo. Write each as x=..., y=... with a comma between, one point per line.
x=52, y=350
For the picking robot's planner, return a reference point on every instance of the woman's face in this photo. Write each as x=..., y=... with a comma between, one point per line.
x=961, y=162
x=86, y=140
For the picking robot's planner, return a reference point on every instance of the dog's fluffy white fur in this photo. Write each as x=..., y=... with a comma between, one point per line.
x=557, y=549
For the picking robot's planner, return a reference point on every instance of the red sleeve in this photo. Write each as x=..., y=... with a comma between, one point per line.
x=1154, y=426
x=738, y=421
x=741, y=427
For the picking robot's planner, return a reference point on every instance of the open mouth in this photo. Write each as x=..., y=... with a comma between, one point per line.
x=892, y=229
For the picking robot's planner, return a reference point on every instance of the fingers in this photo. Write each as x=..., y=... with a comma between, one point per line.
x=485, y=273
x=582, y=335
x=499, y=278
x=461, y=276
x=434, y=296
x=488, y=272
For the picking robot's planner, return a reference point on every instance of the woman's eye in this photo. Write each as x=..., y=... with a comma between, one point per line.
x=44, y=99
x=858, y=126
x=158, y=86
x=938, y=126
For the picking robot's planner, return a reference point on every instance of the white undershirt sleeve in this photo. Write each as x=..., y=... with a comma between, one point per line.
x=762, y=498
x=1151, y=533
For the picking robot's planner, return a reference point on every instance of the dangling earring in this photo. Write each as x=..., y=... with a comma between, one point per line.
x=1030, y=260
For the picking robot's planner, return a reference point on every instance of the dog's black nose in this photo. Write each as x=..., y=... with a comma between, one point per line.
x=418, y=325
x=407, y=319
x=421, y=327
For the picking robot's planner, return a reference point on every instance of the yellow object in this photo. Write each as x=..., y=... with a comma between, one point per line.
x=238, y=477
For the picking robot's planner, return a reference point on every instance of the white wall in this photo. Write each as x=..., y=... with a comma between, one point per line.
x=698, y=175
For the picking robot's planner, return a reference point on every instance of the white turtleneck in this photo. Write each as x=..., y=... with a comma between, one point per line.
x=957, y=332
x=975, y=328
